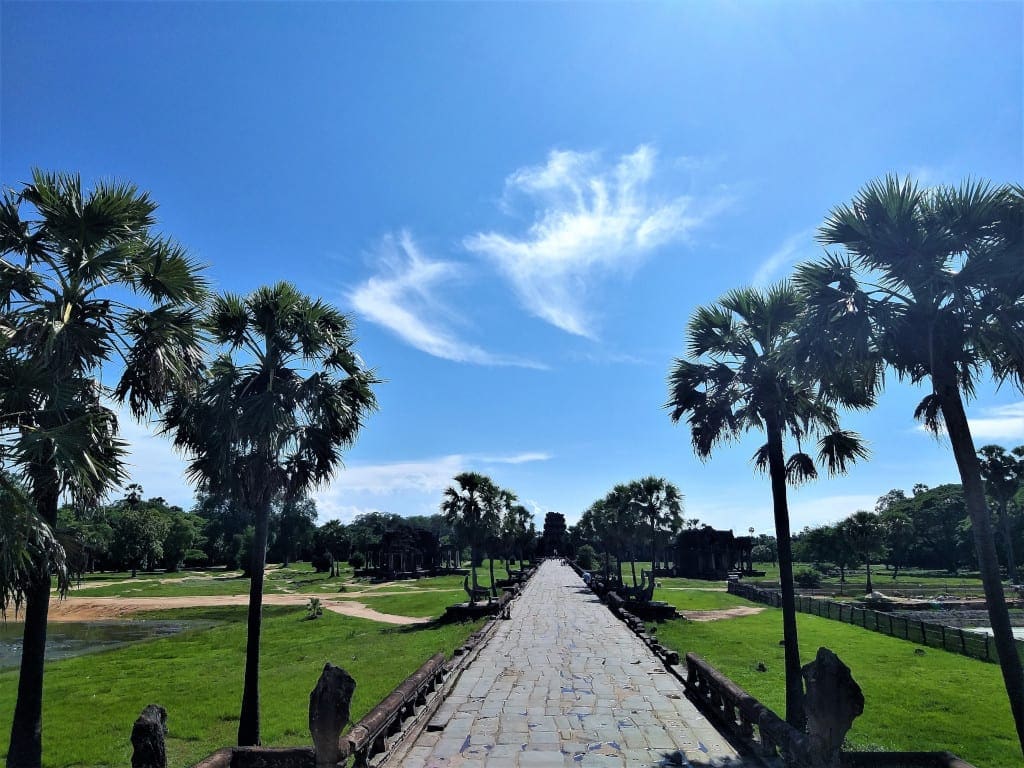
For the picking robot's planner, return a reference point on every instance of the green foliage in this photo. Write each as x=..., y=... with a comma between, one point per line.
x=29, y=549
x=139, y=538
x=808, y=578
x=357, y=560
x=586, y=557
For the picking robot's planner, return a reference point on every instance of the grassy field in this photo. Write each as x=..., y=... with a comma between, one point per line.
x=699, y=599
x=916, y=699
x=90, y=702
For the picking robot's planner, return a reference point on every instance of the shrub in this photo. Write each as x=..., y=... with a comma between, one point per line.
x=807, y=578
x=357, y=559
x=321, y=562
x=196, y=558
x=315, y=608
x=586, y=557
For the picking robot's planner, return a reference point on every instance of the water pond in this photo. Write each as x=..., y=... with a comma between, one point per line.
x=1018, y=632
x=72, y=638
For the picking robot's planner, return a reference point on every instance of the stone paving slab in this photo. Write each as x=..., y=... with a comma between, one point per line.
x=565, y=683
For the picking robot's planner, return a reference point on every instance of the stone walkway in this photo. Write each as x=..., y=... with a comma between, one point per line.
x=565, y=683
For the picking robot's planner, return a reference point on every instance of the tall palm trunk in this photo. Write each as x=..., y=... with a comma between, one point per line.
x=867, y=562
x=490, y=566
x=249, y=719
x=1011, y=563
x=654, y=548
x=632, y=564
x=26, y=746
x=988, y=562
x=795, y=715
x=472, y=569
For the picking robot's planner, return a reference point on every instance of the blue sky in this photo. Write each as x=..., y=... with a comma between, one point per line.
x=522, y=204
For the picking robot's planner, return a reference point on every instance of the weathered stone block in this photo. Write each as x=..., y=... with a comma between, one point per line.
x=329, y=705
x=148, y=734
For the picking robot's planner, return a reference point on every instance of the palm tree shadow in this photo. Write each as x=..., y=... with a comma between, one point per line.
x=679, y=760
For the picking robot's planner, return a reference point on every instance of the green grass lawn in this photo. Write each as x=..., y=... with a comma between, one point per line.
x=934, y=701
x=90, y=702
x=414, y=602
x=699, y=599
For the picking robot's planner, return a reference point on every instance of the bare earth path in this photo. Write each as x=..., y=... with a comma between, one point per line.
x=93, y=608
x=564, y=683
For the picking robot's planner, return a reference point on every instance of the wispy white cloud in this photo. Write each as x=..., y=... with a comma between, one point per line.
x=424, y=475
x=518, y=458
x=793, y=247
x=999, y=422
x=1002, y=422
x=405, y=298
x=407, y=487
x=588, y=220
x=826, y=509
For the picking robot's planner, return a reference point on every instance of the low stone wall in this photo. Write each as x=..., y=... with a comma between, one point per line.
x=976, y=645
x=771, y=738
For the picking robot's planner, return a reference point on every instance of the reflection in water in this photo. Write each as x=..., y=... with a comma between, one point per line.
x=72, y=638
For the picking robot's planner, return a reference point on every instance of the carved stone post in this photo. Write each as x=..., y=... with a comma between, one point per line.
x=148, y=748
x=328, y=713
x=833, y=701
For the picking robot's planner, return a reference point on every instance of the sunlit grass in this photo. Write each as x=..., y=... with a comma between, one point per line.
x=90, y=702
x=916, y=698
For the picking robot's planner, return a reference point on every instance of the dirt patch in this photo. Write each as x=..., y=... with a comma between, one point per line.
x=723, y=613
x=94, y=608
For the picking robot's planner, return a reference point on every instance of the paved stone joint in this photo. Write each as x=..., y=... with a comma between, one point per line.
x=564, y=683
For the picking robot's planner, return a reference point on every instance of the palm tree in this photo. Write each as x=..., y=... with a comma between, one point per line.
x=470, y=509
x=29, y=548
x=740, y=377
x=660, y=503
x=621, y=520
x=65, y=272
x=866, y=536
x=930, y=286
x=1003, y=474
x=270, y=416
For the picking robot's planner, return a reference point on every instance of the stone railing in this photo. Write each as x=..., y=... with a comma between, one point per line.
x=773, y=740
x=370, y=735
x=736, y=710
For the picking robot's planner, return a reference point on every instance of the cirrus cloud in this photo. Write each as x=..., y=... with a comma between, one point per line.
x=589, y=221
x=404, y=297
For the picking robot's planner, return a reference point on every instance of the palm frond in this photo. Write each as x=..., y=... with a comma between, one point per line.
x=839, y=449
x=800, y=469
x=929, y=412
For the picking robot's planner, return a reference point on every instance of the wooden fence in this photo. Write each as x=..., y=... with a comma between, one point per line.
x=977, y=645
